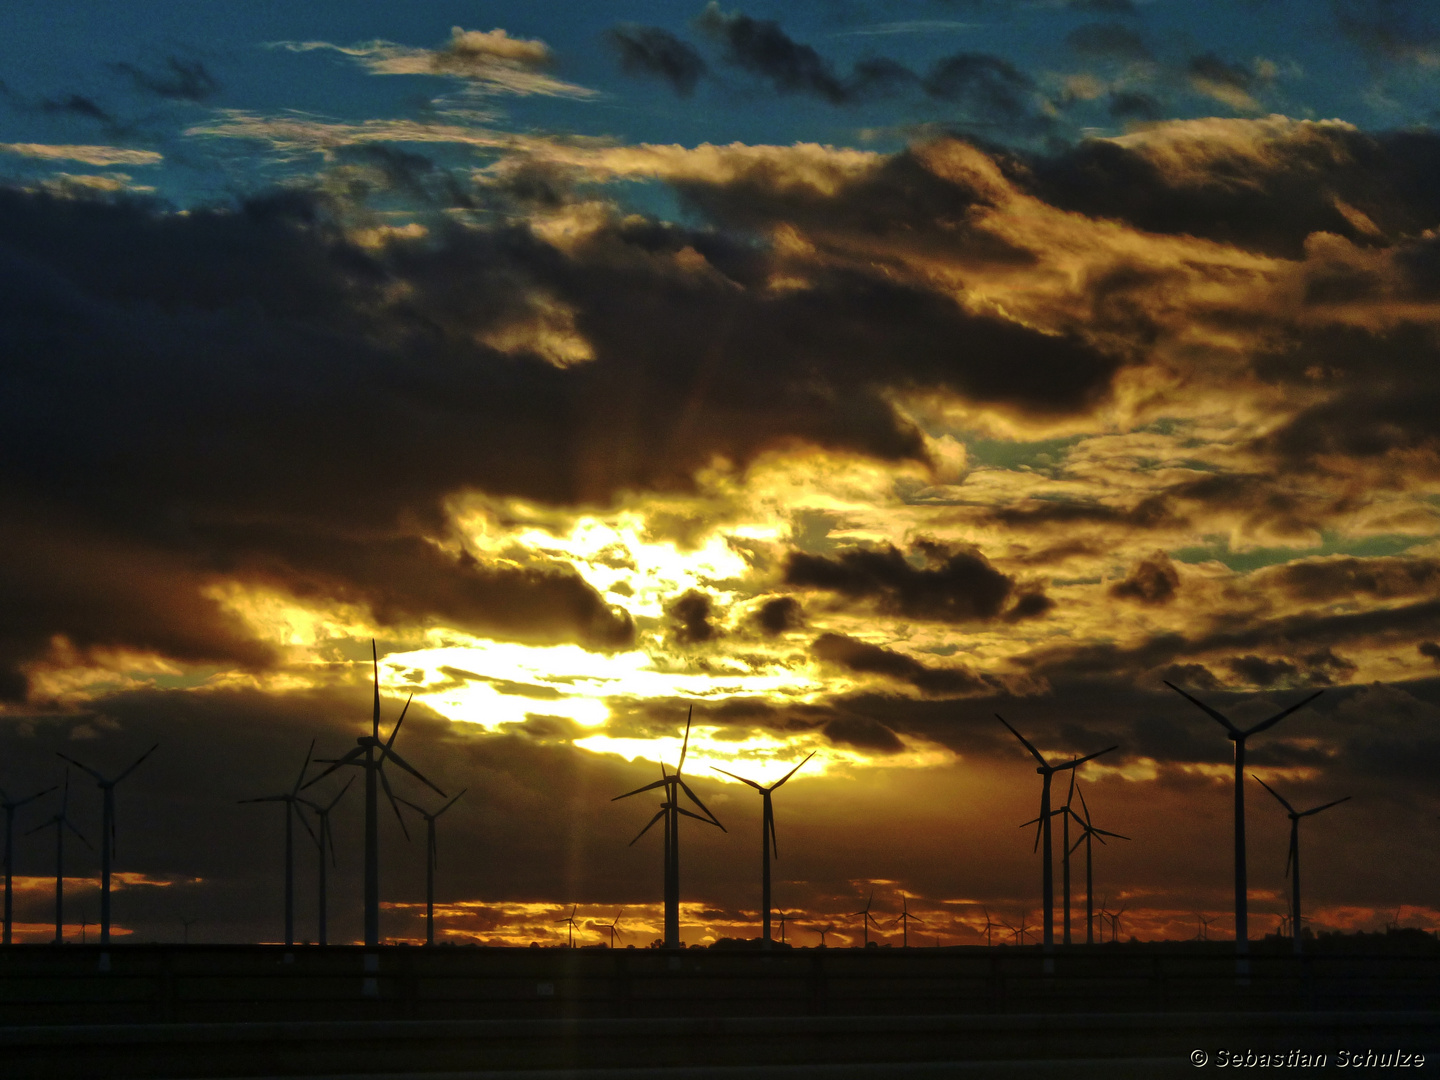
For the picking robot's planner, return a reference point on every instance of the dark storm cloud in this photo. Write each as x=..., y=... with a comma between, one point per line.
x=77, y=105
x=780, y=613
x=1430, y=649
x=178, y=80
x=690, y=615
x=1341, y=577
x=1110, y=41
x=990, y=88
x=863, y=733
x=1208, y=71
x=1150, y=581
x=650, y=50
x=866, y=659
x=1133, y=105
x=955, y=585
x=762, y=48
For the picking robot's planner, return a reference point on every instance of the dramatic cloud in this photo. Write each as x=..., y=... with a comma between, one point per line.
x=88, y=155
x=866, y=659
x=649, y=50
x=180, y=80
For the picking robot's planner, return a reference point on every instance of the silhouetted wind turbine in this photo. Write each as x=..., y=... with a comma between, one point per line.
x=61, y=822
x=989, y=926
x=1238, y=737
x=905, y=919
x=569, y=921
x=614, y=927
x=1088, y=832
x=107, y=833
x=767, y=839
x=187, y=924
x=782, y=916
x=1292, y=860
x=866, y=919
x=671, y=811
x=371, y=754
x=1046, y=771
x=11, y=805
x=822, y=931
x=290, y=799
x=325, y=841
x=1115, y=922
x=431, y=860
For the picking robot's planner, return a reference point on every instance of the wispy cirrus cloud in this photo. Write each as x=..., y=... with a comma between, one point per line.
x=492, y=61
x=87, y=155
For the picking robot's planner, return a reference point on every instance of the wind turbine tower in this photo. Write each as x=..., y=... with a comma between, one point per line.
x=1047, y=874
x=11, y=805
x=671, y=811
x=61, y=821
x=371, y=754
x=767, y=840
x=107, y=833
x=431, y=860
x=290, y=799
x=1088, y=831
x=325, y=842
x=867, y=920
x=1292, y=861
x=1238, y=737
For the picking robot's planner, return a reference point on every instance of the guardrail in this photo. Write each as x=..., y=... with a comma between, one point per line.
x=197, y=983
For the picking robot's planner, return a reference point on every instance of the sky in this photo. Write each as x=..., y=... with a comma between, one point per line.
x=848, y=372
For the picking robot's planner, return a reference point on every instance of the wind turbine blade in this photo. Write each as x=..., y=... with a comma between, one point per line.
x=792, y=772
x=305, y=764
x=418, y=809
x=1104, y=832
x=329, y=837
x=1206, y=708
x=1294, y=843
x=32, y=798
x=393, y=756
x=1081, y=760
x=384, y=783
x=774, y=844
x=638, y=790
x=267, y=798
x=449, y=804
x=77, y=832
x=358, y=752
x=305, y=823
x=337, y=798
x=1283, y=713
x=1070, y=795
x=1024, y=740
x=684, y=746
x=1078, y=843
x=138, y=760
x=375, y=718
x=658, y=815
x=98, y=778
x=1082, y=804
x=1337, y=802
x=695, y=799
x=742, y=779
x=396, y=729
x=697, y=817
x=1272, y=791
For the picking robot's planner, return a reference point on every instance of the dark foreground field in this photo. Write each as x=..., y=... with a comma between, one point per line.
x=1114, y=1010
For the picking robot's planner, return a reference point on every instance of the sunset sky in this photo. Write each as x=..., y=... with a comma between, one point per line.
x=850, y=371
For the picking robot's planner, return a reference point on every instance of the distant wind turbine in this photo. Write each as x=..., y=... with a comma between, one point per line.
x=431, y=860
x=1238, y=737
x=614, y=927
x=569, y=921
x=782, y=916
x=1087, y=833
x=107, y=833
x=822, y=931
x=188, y=922
x=671, y=811
x=11, y=805
x=61, y=821
x=291, y=798
x=371, y=755
x=989, y=925
x=767, y=839
x=1292, y=860
x=1046, y=771
x=905, y=919
x=867, y=920
x=325, y=844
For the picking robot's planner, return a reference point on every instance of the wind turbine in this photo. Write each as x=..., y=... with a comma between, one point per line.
x=1115, y=922
x=290, y=799
x=767, y=839
x=989, y=943
x=866, y=919
x=1046, y=770
x=570, y=920
x=822, y=931
x=107, y=833
x=614, y=927
x=782, y=916
x=371, y=754
x=1089, y=832
x=1292, y=860
x=671, y=811
x=324, y=841
x=905, y=919
x=11, y=805
x=1238, y=737
x=188, y=922
x=61, y=821
x=431, y=860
